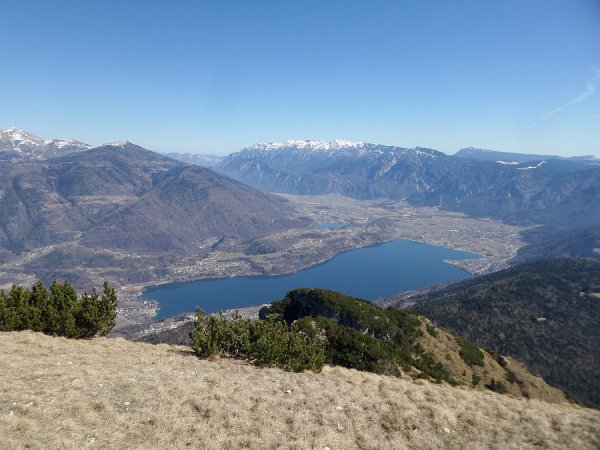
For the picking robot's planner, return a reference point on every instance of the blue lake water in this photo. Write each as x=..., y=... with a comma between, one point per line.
x=369, y=273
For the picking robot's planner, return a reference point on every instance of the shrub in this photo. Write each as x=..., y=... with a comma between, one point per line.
x=470, y=353
x=58, y=311
x=359, y=334
x=271, y=342
x=511, y=377
x=432, y=330
x=497, y=386
x=498, y=358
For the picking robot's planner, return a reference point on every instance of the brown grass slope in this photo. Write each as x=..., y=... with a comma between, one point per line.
x=110, y=393
x=523, y=384
x=444, y=348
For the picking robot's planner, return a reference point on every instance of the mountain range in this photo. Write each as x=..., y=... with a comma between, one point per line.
x=18, y=145
x=550, y=192
x=122, y=207
x=126, y=197
x=563, y=194
x=481, y=154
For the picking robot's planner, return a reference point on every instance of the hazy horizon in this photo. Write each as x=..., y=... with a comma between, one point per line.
x=597, y=155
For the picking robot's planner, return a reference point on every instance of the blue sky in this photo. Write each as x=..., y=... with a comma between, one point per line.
x=212, y=77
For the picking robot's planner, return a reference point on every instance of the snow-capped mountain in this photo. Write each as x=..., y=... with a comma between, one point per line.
x=17, y=144
x=331, y=148
x=549, y=191
x=313, y=145
x=358, y=169
x=311, y=155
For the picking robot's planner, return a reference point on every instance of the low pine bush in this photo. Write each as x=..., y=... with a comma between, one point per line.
x=271, y=343
x=57, y=311
x=470, y=353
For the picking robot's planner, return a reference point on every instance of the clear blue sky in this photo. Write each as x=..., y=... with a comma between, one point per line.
x=215, y=76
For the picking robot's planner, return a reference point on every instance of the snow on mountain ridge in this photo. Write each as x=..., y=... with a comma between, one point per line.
x=359, y=148
x=307, y=145
x=21, y=144
x=116, y=144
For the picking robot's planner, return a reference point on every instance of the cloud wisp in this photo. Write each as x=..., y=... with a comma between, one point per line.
x=590, y=89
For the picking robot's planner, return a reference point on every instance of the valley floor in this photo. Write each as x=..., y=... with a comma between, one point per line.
x=111, y=393
x=371, y=222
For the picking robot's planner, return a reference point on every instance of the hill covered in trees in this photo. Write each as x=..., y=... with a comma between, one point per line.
x=544, y=243
x=543, y=313
x=312, y=327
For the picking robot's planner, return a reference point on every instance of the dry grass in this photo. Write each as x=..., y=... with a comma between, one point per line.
x=110, y=393
x=445, y=348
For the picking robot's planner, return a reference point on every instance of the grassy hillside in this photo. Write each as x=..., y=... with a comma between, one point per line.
x=545, y=314
x=360, y=335
x=111, y=393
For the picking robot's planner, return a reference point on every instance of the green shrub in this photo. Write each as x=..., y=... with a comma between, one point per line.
x=498, y=358
x=511, y=377
x=58, y=311
x=470, y=353
x=359, y=334
x=272, y=343
x=475, y=379
x=497, y=386
x=309, y=327
x=432, y=330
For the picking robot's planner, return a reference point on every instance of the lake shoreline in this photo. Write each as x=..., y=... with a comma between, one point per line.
x=370, y=272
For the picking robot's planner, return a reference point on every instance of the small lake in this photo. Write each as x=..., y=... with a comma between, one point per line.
x=369, y=273
x=335, y=225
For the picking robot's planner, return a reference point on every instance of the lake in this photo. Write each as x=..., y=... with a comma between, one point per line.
x=335, y=225
x=369, y=273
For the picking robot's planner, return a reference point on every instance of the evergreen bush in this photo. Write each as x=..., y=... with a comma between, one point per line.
x=58, y=311
x=271, y=343
x=470, y=353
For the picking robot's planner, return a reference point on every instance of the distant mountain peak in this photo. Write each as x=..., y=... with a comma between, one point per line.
x=309, y=144
x=197, y=159
x=19, y=135
x=17, y=144
x=483, y=154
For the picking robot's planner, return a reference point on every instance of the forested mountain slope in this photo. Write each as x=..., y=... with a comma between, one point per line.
x=544, y=313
